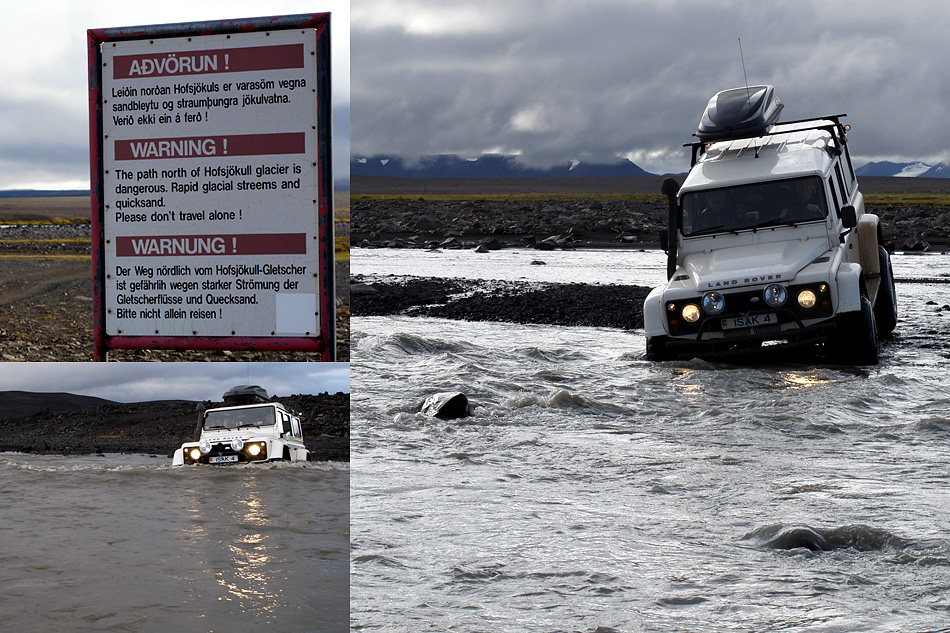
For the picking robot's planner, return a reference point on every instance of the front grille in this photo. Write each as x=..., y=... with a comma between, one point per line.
x=748, y=303
x=763, y=329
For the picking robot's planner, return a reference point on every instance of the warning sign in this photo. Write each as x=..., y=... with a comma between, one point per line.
x=210, y=185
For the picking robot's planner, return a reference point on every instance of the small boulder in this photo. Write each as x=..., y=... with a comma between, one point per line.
x=447, y=406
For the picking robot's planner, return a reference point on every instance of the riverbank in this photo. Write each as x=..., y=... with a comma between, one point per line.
x=549, y=214
x=576, y=304
x=156, y=428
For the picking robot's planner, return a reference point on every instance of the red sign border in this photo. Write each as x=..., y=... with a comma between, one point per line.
x=322, y=343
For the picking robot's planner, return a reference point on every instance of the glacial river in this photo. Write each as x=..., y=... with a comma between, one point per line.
x=594, y=491
x=128, y=543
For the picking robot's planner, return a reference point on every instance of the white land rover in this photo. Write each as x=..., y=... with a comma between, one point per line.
x=768, y=242
x=254, y=430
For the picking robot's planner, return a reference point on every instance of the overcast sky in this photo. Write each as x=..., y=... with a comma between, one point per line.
x=559, y=80
x=44, y=121
x=142, y=382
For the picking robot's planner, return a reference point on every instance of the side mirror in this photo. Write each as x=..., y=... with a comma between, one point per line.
x=849, y=217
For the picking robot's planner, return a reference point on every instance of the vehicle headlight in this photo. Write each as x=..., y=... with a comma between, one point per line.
x=254, y=450
x=237, y=444
x=775, y=295
x=713, y=302
x=204, y=446
x=691, y=313
x=195, y=454
x=807, y=299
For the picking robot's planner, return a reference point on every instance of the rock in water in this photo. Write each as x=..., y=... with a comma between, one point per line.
x=447, y=406
x=806, y=537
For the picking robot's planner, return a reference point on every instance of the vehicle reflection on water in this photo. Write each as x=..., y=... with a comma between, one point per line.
x=129, y=543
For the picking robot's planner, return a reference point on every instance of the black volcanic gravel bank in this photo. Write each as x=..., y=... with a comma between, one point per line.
x=160, y=427
x=555, y=224
x=512, y=302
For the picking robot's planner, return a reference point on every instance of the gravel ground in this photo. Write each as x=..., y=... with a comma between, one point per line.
x=161, y=427
x=593, y=222
x=510, y=302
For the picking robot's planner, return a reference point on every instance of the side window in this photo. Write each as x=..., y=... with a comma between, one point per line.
x=284, y=422
x=848, y=171
x=844, y=190
x=296, y=427
x=835, y=197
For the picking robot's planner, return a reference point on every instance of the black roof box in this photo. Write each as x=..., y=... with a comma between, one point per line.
x=245, y=394
x=740, y=113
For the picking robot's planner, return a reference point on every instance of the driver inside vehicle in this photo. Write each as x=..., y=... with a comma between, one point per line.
x=719, y=210
x=803, y=203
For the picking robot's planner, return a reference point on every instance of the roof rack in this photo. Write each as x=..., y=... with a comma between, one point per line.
x=245, y=394
x=836, y=129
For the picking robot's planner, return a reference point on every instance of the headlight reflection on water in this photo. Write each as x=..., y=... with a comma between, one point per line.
x=799, y=380
x=251, y=567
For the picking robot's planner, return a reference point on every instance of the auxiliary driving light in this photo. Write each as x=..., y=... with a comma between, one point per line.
x=807, y=299
x=713, y=302
x=237, y=444
x=775, y=295
x=691, y=313
x=204, y=446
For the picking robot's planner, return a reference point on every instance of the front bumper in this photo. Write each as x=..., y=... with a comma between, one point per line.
x=744, y=344
x=221, y=453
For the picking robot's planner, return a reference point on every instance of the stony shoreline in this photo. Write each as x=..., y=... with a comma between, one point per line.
x=587, y=222
x=158, y=428
x=588, y=305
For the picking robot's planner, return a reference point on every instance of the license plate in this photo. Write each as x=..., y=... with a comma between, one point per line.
x=733, y=323
x=223, y=459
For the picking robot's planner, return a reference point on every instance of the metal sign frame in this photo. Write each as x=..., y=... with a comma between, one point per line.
x=323, y=343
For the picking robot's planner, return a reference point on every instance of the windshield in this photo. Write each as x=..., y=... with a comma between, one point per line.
x=758, y=205
x=232, y=419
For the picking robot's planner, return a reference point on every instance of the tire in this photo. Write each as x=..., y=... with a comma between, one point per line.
x=857, y=340
x=656, y=349
x=885, y=308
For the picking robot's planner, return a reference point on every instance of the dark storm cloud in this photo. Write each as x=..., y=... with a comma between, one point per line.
x=42, y=139
x=558, y=81
x=44, y=134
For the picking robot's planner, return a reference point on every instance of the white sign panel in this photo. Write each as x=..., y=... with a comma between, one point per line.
x=210, y=185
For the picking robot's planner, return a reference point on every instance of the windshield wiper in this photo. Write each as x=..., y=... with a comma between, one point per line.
x=713, y=229
x=775, y=222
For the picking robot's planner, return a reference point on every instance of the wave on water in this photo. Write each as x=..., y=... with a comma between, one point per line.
x=558, y=399
x=933, y=424
x=377, y=559
x=129, y=463
x=410, y=344
x=560, y=355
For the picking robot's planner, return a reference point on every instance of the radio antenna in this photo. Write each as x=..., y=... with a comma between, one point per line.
x=748, y=91
x=742, y=59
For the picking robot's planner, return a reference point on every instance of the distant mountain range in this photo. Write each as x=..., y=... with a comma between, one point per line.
x=904, y=170
x=486, y=166
x=15, y=404
x=500, y=166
